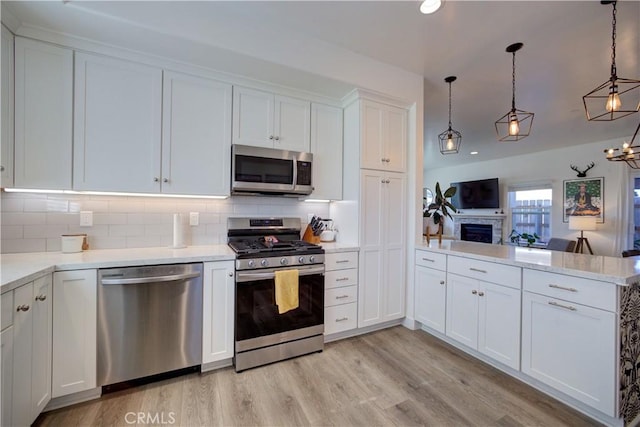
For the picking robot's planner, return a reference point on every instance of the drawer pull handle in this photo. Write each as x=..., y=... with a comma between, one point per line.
x=428, y=259
x=474, y=292
x=480, y=294
x=477, y=269
x=342, y=319
x=342, y=296
x=41, y=297
x=568, y=307
x=23, y=307
x=342, y=261
x=342, y=279
x=563, y=288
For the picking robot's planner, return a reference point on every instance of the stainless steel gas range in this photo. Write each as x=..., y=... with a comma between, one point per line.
x=264, y=246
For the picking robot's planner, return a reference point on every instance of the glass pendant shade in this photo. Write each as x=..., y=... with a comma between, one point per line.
x=628, y=153
x=617, y=97
x=450, y=140
x=516, y=124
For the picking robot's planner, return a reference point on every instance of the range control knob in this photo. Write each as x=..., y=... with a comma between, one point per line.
x=251, y=263
x=301, y=260
x=264, y=263
x=312, y=259
x=284, y=261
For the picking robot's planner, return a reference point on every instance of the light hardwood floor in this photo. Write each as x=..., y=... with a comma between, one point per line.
x=390, y=377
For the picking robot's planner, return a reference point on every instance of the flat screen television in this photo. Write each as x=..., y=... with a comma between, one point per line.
x=479, y=194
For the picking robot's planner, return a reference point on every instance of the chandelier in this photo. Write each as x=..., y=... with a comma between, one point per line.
x=450, y=139
x=516, y=124
x=629, y=152
x=617, y=97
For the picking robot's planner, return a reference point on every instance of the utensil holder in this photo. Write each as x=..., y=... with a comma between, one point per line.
x=309, y=237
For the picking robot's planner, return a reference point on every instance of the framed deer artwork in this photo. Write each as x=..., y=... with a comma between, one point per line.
x=584, y=197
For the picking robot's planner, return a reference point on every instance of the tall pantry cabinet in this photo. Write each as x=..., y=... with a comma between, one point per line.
x=376, y=140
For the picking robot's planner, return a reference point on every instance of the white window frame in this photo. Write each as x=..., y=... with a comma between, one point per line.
x=526, y=186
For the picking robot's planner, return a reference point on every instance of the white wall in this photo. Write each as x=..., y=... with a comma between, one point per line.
x=551, y=165
x=34, y=222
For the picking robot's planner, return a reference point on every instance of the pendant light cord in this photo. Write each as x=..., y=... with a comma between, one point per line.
x=449, y=106
x=613, y=43
x=513, y=83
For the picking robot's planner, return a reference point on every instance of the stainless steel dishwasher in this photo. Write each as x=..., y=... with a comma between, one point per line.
x=149, y=321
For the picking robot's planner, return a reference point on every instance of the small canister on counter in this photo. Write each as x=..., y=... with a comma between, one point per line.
x=73, y=243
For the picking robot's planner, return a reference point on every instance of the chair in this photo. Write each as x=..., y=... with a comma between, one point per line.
x=630, y=252
x=563, y=245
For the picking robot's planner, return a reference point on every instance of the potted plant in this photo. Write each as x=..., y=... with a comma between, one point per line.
x=440, y=208
x=516, y=238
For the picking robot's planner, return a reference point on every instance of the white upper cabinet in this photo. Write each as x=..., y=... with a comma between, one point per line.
x=117, y=125
x=326, y=147
x=43, y=115
x=6, y=155
x=196, y=135
x=262, y=119
x=384, y=136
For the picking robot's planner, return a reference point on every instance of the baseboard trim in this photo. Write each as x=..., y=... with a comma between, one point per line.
x=361, y=331
x=72, y=399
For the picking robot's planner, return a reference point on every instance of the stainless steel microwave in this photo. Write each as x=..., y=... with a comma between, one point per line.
x=256, y=170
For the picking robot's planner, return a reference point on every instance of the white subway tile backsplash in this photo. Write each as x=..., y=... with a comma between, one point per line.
x=47, y=230
x=127, y=230
x=109, y=218
x=63, y=218
x=12, y=232
x=106, y=242
x=23, y=245
x=12, y=204
x=21, y=218
x=143, y=241
x=145, y=218
x=125, y=205
x=54, y=244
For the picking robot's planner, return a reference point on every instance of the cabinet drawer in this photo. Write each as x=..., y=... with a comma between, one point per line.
x=335, y=279
x=340, y=260
x=501, y=274
x=570, y=288
x=6, y=301
x=339, y=296
x=340, y=318
x=431, y=260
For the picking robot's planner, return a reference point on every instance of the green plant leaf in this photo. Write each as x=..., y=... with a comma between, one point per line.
x=451, y=191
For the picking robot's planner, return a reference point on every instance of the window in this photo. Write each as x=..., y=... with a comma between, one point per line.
x=531, y=210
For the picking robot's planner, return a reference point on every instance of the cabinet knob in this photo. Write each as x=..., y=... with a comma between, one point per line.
x=480, y=294
x=277, y=138
x=474, y=292
x=382, y=160
x=1, y=168
x=270, y=136
x=165, y=180
x=230, y=274
x=23, y=307
x=442, y=282
x=41, y=297
x=156, y=179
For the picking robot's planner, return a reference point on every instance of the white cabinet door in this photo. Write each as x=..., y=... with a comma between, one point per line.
x=462, y=310
x=6, y=352
x=572, y=348
x=326, y=147
x=42, y=335
x=218, y=311
x=196, y=138
x=6, y=141
x=43, y=115
x=430, y=297
x=253, y=113
x=74, y=331
x=22, y=414
x=117, y=125
x=499, y=323
x=384, y=137
x=292, y=124
x=381, y=295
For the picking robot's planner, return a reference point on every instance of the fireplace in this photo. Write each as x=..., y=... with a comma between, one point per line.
x=476, y=233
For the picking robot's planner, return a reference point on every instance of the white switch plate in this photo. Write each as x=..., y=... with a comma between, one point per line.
x=86, y=218
x=194, y=218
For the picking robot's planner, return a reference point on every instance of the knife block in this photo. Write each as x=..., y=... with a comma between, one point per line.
x=309, y=237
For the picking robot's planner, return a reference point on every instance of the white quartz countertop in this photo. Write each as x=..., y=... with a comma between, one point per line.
x=18, y=269
x=621, y=271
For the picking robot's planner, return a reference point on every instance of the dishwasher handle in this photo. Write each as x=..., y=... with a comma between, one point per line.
x=153, y=279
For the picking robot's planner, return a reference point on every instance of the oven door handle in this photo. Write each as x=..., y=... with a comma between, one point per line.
x=245, y=276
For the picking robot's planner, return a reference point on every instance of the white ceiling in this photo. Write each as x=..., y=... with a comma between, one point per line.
x=566, y=53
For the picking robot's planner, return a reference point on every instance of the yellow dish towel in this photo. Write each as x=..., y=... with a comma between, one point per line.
x=286, y=290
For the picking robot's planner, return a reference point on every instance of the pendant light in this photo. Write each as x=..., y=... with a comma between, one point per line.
x=516, y=124
x=450, y=139
x=617, y=97
x=629, y=152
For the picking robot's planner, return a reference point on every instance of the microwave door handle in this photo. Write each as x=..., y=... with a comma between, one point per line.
x=295, y=172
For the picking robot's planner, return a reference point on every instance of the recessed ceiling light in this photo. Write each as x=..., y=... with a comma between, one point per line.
x=473, y=153
x=430, y=6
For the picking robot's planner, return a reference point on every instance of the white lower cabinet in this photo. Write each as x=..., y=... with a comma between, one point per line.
x=485, y=317
x=74, y=331
x=218, y=311
x=341, y=292
x=431, y=290
x=26, y=353
x=570, y=346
